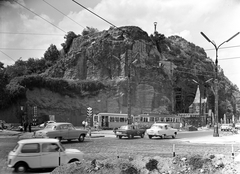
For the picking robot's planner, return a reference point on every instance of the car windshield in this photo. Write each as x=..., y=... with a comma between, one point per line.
x=156, y=127
x=15, y=148
x=50, y=126
x=124, y=127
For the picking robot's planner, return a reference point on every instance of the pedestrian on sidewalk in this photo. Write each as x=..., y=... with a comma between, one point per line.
x=83, y=123
x=90, y=132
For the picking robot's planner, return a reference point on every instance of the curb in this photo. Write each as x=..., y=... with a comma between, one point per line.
x=98, y=136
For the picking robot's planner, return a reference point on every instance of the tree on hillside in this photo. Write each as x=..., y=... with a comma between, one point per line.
x=16, y=70
x=68, y=41
x=89, y=30
x=3, y=83
x=1, y=66
x=52, y=54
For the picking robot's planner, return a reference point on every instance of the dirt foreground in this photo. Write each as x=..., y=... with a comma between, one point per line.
x=193, y=164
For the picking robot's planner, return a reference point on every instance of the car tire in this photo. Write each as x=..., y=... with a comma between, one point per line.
x=142, y=135
x=81, y=138
x=21, y=167
x=130, y=136
x=174, y=136
x=73, y=160
x=150, y=136
x=120, y=137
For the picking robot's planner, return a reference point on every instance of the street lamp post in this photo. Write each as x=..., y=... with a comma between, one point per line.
x=215, y=133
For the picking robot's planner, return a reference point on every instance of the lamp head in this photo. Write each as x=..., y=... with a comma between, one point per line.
x=205, y=37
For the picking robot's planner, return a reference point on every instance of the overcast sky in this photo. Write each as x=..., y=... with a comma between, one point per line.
x=218, y=19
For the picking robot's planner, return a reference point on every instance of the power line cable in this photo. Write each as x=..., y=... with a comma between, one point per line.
x=39, y=16
x=4, y=32
x=22, y=49
x=7, y=55
x=63, y=14
x=95, y=14
x=229, y=58
x=223, y=47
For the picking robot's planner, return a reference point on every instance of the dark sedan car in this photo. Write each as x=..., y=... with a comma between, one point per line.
x=129, y=131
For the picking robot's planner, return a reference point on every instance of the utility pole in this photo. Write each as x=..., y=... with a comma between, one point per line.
x=129, y=91
x=215, y=132
x=131, y=60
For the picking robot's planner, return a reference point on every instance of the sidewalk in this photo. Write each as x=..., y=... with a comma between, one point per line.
x=224, y=138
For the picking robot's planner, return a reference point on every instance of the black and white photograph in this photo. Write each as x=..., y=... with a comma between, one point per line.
x=119, y=86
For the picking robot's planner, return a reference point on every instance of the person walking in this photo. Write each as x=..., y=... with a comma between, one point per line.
x=84, y=124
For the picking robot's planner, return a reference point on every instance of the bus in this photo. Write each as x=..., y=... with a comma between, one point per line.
x=110, y=120
x=148, y=119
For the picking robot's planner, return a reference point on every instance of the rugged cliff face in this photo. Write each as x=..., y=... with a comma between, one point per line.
x=160, y=72
x=160, y=69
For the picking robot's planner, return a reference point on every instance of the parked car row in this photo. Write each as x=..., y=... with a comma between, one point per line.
x=161, y=130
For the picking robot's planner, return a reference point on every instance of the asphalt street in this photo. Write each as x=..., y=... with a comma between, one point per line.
x=102, y=147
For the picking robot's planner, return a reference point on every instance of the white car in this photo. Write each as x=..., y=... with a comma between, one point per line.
x=226, y=127
x=41, y=153
x=161, y=130
x=46, y=123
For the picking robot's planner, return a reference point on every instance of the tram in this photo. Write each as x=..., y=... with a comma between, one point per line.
x=110, y=120
x=148, y=119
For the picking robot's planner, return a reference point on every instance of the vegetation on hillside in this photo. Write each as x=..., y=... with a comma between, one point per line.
x=190, y=61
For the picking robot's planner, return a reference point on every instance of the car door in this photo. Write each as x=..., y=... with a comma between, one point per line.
x=72, y=132
x=30, y=153
x=50, y=155
x=165, y=130
x=64, y=131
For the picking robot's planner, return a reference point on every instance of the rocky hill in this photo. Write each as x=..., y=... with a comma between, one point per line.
x=155, y=64
x=160, y=71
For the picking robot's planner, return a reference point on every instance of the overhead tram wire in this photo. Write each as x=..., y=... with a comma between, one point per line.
x=50, y=34
x=22, y=49
x=39, y=16
x=95, y=14
x=7, y=55
x=234, y=46
x=63, y=14
x=229, y=58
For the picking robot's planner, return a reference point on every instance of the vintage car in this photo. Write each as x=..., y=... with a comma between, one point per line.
x=226, y=127
x=237, y=126
x=161, y=130
x=41, y=153
x=129, y=131
x=61, y=131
